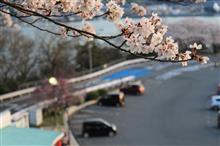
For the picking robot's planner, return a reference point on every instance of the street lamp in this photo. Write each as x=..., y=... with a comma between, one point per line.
x=90, y=57
x=53, y=82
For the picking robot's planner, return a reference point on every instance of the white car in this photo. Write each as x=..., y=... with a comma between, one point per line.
x=215, y=102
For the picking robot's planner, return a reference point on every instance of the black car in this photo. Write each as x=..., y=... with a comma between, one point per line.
x=133, y=88
x=98, y=127
x=112, y=99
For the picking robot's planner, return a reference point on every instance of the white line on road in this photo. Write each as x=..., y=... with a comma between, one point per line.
x=179, y=71
x=101, y=112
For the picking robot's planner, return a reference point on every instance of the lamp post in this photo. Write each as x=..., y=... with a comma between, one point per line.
x=53, y=82
x=90, y=57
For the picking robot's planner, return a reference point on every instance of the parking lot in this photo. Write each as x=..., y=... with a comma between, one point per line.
x=171, y=112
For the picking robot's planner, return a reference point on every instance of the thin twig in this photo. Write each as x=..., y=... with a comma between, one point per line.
x=85, y=33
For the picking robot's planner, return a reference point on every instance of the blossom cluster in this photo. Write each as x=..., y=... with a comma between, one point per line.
x=147, y=36
x=86, y=9
x=63, y=32
x=120, y=1
x=140, y=10
x=89, y=28
x=200, y=1
x=198, y=58
x=188, y=55
x=141, y=37
x=115, y=12
x=7, y=20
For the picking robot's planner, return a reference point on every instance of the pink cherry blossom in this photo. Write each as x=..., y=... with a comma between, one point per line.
x=196, y=46
x=115, y=12
x=139, y=10
x=89, y=28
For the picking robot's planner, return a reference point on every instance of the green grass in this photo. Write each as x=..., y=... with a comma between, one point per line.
x=53, y=120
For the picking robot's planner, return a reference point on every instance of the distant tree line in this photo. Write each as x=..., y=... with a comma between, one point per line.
x=188, y=31
x=24, y=59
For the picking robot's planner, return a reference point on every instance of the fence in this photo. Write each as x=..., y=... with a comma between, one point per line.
x=75, y=80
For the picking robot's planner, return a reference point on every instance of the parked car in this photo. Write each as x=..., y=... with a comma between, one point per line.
x=98, y=127
x=215, y=102
x=133, y=88
x=112, y=99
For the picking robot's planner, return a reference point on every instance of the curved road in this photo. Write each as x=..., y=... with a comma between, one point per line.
x=172, y=112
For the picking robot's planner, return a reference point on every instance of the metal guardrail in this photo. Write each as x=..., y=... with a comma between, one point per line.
x=109, y=69
x=76, y=74
x=106, y=85
x=75, y=80
x=69, y=112
x=17, y=93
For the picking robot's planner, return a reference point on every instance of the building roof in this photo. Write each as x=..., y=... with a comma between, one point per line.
x=12, y=136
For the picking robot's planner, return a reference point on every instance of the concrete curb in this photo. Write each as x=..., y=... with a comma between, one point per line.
x=69, y=112
x=30, y=90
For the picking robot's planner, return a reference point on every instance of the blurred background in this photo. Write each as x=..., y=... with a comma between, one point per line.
x=44, y=77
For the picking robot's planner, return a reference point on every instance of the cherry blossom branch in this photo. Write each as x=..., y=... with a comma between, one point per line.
x=35, y=26
x=115, y=46
x=33, y=13
x=101, y=15
x=30, y=23
x=54, y=15
x=34, y=21
x=168, y=47
x=53, y=21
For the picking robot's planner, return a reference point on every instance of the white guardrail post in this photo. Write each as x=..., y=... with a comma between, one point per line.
x=74, y=80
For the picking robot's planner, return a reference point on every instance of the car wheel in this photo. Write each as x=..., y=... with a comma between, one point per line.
x=85, y=135
x=111, y=134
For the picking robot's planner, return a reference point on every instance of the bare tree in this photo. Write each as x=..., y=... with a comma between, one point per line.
x=57, y=57
x=134, y=42
x=17, y=58
x=195, y=30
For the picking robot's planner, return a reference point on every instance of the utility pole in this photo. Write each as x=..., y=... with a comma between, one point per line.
x=90, y=57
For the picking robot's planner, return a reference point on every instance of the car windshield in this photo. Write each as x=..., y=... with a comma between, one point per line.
x=106, y=123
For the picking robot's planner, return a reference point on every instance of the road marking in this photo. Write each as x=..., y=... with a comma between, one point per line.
x=101, y=112
x=180, y=70
x=161, y=66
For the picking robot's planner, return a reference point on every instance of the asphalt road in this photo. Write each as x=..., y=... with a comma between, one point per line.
x=172, y=112
x=20, y=103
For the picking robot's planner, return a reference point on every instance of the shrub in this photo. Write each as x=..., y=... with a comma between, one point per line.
x=92, y=96
x=102, y=92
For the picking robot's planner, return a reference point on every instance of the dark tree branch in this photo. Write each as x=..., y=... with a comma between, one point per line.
x=35, y=26
x=81, y=32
